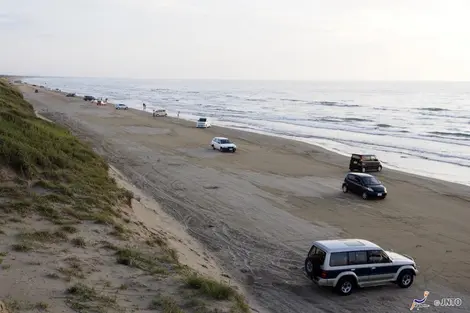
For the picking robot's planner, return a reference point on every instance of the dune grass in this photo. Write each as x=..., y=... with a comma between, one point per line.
x=54, y=164
x=64, y=181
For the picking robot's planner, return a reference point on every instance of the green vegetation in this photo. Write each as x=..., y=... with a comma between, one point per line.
x=63, y=181
x=137, y=259
x=211, y=288
x=53, y=166
x=84, y=299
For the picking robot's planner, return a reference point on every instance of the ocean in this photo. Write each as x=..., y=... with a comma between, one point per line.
x=417, y=127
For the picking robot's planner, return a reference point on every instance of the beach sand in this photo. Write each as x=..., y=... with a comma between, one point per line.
x=258, y=210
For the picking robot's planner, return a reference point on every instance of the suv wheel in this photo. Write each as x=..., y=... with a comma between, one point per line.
x=213, y=147
x=379, y=169
x=405, y=279
x=309, y=267
x=345, y=188
x=364, y=195
x=345, y=286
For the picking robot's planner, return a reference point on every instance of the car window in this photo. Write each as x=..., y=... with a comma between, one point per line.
x=224, y=141
x=357, y=257
x=354, y=179
x=339, y=259
x=370, y=181
x=377, y=256
x=318, y=254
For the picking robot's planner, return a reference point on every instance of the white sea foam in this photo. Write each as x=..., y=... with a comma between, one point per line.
x=423, y=128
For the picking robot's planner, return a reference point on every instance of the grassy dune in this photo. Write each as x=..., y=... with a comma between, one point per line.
x=62, y=213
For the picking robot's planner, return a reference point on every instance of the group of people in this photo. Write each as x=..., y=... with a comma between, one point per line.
x=144, y=107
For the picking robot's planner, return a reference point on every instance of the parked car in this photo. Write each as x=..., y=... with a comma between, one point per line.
x=203, y=123
x=159, y=113
x=345, y=264
x=70, y=95
x=89, y=98
x=366, y=185
x=364, y=163
x=223, y=144
x=121, y=106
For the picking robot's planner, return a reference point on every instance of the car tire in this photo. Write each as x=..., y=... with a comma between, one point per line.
x=233, y=151
x=405, y=279
x=363, y=169
x=221, y=150
x=309, y=268
x=345, y=286
x=345, y=188
x=379, y=169
x=365, y=196
x=213, y=148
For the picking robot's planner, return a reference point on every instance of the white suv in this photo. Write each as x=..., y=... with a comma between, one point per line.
x=203, y=123
x=223, y=144
x=348, y=263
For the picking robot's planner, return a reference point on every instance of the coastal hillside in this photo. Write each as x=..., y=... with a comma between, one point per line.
x=71, y=239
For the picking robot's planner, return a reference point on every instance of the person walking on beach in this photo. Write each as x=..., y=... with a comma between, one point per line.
x=178, y=115
x=144, y=106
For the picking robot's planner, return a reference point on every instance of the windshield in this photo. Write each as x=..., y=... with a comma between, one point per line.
x=202, y=120
x=370, y=181
x=225, y=141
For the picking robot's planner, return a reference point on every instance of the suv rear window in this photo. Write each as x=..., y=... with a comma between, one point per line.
x=318, y=255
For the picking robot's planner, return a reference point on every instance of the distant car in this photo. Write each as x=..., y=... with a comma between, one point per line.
x=36, y=91
x=89, y=98
x=203, y=123
x=346, y=264
x=365, y=163
x=366, y=185
x=223, y=144
x=121, y=106
x=70, y=95
x=159, y=113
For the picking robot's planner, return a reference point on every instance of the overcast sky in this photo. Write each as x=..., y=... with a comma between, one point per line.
x=238, y=39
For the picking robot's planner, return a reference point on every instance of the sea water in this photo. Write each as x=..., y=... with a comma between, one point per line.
x=417, y=127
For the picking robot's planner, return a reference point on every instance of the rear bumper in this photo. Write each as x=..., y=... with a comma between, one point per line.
x=320, y=281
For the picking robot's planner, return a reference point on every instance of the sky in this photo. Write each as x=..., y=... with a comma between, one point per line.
x=242, y=39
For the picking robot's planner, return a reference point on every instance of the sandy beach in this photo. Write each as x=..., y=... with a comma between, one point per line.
x=259, y=209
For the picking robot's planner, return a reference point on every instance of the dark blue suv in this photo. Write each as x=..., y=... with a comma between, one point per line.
x=345, y=264
x=365, y=185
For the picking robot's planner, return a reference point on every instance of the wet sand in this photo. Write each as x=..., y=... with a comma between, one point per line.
x=259, y=209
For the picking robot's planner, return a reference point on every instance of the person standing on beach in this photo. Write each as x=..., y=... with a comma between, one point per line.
x=178, y=115
x=144, y=106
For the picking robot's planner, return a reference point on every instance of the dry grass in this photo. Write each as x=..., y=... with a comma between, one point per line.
x=61, y=180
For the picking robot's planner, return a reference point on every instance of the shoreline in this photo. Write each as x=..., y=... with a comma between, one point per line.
x=386, y=165
x=258, y=210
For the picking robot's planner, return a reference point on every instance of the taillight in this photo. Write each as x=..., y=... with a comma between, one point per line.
x=323, y=274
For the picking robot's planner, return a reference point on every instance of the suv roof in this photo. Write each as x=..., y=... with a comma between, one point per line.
x=363, y=154
x=340, y=245
x=221, y=138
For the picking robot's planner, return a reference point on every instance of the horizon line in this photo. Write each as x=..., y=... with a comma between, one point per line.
x=246, y=79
